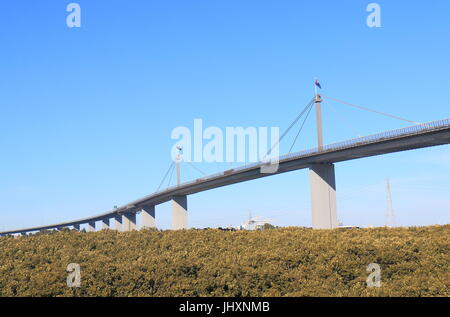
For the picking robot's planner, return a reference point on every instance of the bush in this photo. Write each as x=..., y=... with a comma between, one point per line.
x=276, y=262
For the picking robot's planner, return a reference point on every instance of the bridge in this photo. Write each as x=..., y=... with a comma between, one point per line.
x=320, y=161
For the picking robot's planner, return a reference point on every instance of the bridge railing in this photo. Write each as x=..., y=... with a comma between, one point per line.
x=412, y=130
x=374, y=138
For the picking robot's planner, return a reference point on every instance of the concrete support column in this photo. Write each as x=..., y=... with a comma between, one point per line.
x=148, y=217
x=179, y=213
x=129, y=221
x=323, y=196
x=77, y=227
x=105, y=223
x=90, y=226
x=118, y=222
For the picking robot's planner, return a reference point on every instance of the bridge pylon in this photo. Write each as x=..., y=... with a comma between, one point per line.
x=129, y=221
x=318, y=102
x=179, y=212
x=148, y=217
x=323, y=196
x=322, y=181
x=105, y=223
x=90, y=226
x=118, y=222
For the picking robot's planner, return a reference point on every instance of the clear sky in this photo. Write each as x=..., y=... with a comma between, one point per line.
x=86, y=113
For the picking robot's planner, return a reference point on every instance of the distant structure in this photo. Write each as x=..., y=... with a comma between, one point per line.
x=390, y=216
x=255, y=223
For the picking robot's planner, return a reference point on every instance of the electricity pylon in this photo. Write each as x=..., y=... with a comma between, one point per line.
x=390, y=216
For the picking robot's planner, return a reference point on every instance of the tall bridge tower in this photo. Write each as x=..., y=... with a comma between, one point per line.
x=322, y=183
x=179, y=203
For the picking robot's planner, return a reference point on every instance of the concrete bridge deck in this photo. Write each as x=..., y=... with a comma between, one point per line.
x=414, y=137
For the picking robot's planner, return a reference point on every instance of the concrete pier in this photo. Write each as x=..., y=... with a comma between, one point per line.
x=179, y=212
x=323, y=196
x=105, y=223
x=90, y=226
x=77, y=227
x=129, y=221
x=118, y=223
x=148, y=217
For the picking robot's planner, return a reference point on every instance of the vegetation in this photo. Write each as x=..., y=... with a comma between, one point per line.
x=276, y=262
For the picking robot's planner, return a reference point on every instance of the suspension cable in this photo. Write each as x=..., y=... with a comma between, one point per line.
x=171, y=174
x=196, y=168
x=370, y=110
x=165, y=176
x=291, y=126
x=346, y=122
x=301, y=127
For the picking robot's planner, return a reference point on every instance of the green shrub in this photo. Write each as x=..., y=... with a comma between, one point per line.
x=276, y=262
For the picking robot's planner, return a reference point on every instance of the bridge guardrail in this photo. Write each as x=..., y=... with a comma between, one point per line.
x=412, y=130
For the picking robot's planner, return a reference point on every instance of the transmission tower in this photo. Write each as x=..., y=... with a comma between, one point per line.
x=390, y=216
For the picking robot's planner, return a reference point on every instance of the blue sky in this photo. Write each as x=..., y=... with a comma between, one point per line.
x=86, y=113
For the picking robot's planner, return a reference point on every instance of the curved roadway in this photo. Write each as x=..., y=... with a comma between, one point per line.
x=419, y=136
